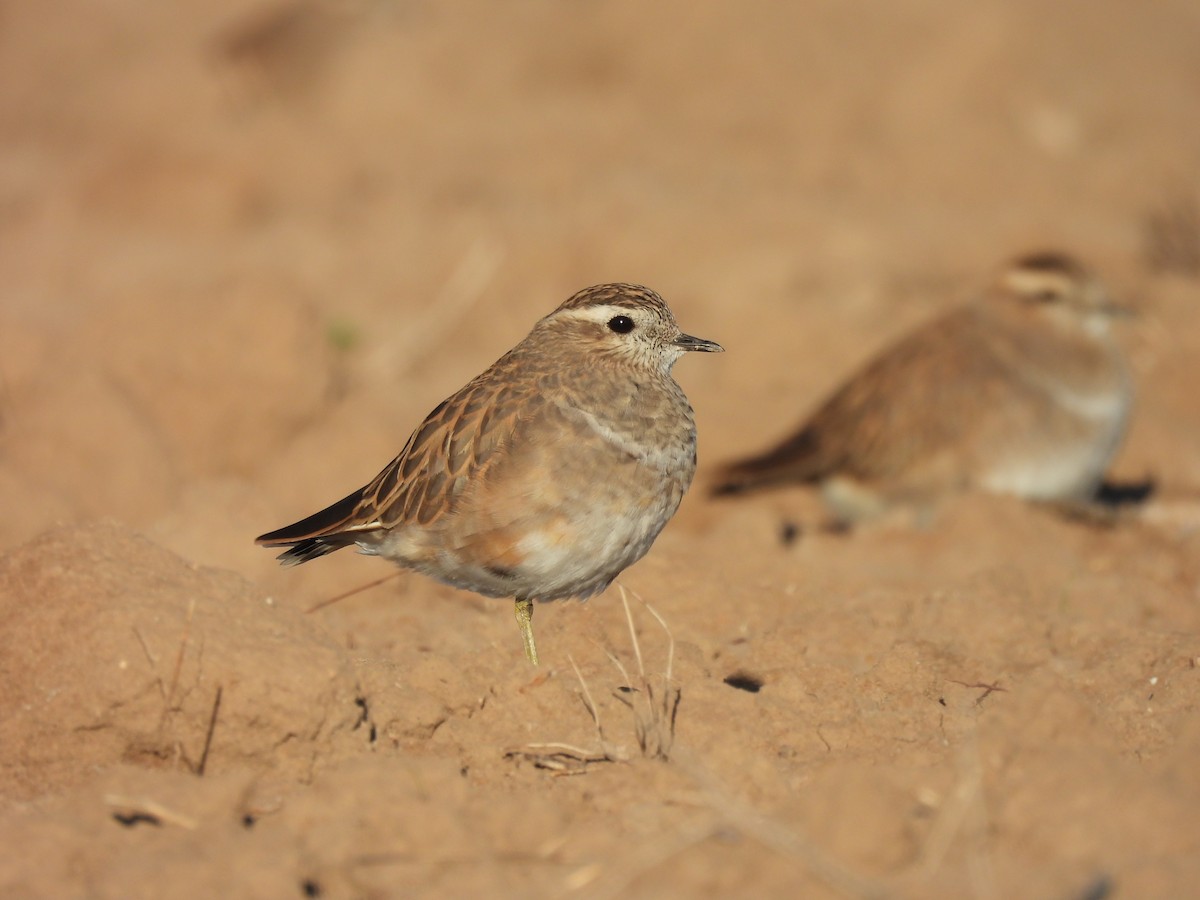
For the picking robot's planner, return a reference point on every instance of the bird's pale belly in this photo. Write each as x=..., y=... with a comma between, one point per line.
x=581, y=557
x=1067, y=462
x=1066, y=472
x=558, y=546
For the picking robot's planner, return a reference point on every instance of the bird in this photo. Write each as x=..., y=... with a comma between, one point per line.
x=545, y=476
x=1021, y=391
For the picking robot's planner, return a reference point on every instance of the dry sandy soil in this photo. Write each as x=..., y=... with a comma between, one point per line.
x=245, y=247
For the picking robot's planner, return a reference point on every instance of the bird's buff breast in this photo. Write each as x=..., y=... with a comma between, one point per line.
x=571, y=512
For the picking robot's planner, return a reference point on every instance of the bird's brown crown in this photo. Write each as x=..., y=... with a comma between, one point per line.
x=627, y=296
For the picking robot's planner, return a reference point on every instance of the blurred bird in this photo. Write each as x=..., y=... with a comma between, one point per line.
x=546, y=475
x=1021, y=392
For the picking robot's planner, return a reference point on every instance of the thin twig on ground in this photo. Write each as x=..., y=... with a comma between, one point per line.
x=356, y=590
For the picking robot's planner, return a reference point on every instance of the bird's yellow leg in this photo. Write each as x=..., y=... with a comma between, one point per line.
x=525, y=623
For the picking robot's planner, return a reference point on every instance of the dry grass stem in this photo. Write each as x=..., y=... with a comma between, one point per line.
x=568, y=759
x=208, y=735
x=653, y=701
x=653, y=717
x=356, y=590
x=130, y=810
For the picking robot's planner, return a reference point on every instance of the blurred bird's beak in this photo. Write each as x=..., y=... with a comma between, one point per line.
x=687, y=342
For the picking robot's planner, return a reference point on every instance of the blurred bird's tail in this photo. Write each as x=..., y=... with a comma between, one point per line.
x=800, y=459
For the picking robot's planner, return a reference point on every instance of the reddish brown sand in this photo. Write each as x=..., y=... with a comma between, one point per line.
x=245, y=248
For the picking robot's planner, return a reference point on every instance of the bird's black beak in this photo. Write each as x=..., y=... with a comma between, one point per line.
x=687, y=342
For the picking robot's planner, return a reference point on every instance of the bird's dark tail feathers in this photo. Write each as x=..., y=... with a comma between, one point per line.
x=321, y=533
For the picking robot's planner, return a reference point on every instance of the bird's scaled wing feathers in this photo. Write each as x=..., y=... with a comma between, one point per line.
x=457, y=442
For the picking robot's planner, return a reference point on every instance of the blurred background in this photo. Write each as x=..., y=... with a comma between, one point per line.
x=245, y=246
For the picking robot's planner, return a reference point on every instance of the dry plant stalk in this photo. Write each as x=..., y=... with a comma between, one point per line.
x=161, y=746
x=356, y=590
x=654, y=703
x=654, y=717
x=130, y=811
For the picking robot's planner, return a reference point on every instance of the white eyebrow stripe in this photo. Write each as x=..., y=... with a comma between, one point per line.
x=1030, y=282
x=598, y=314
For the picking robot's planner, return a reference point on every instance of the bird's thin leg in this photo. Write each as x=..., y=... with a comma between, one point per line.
x=525, y=623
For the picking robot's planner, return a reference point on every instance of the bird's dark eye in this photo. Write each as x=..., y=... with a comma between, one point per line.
x=621, y=324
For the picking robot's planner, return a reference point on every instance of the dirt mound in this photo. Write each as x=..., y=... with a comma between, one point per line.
x=115, y=651
x=247, y=245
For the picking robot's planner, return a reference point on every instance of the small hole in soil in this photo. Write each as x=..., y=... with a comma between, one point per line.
x=789, y=532
x=310, y=887
x=744, y=681
x=364, y=718
x=248, y=820
x=130, y=819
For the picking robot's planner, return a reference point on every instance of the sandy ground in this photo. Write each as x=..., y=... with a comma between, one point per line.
x=246, y=247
